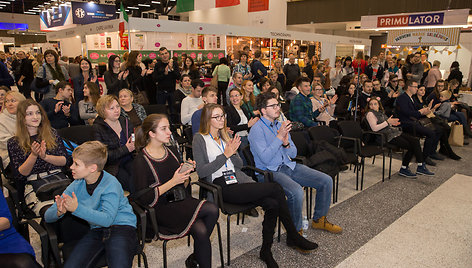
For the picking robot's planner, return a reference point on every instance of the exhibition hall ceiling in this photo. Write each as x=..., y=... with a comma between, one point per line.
x=33, y=7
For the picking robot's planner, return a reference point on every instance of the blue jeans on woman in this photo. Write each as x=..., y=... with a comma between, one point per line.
x=117, y=243
x=293, y=181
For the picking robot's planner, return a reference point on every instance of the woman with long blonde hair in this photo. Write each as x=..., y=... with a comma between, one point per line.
x=36, y=148
x=215, y=153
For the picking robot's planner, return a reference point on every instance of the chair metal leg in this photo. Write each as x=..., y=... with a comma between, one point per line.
x=362, y=178
x=220, y=244
x=228, y=243
x=278, y=235
x=390, y=166
x=237, y=219
x=373, y=160
x=357, y=176
x=311, y=203
x=383, y=166
x=307, y=206
x=164, y=253
x=337, y=186
x=334, y=190
x=242, y=220
x=188, y=241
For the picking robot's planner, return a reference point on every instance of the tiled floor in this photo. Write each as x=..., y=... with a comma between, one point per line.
x=435, y=233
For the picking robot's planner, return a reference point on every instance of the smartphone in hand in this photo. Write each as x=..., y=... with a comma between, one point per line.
x=186, y=167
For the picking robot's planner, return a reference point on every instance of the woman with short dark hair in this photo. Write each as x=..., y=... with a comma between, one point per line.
x=115, y=79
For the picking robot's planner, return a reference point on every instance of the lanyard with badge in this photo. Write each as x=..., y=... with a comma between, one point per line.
x=229, y=175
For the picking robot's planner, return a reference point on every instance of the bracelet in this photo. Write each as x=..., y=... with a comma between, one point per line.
x=285, y=146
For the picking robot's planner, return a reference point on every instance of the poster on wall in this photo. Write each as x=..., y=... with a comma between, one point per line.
x=192, y=41
x=138, y=41
x=257, y=5
x=201, y=41
x=55, y=17
x=90, y=12
x=424, y=37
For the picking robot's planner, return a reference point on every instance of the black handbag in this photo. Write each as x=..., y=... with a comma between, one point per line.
x=41, y=90
x=48, y=184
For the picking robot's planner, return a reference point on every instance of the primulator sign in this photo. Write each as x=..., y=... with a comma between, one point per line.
x=436, y=19
x=411, y=20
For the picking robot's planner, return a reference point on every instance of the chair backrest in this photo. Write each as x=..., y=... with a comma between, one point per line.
x=78, y=134
x=302, y=142
x=188, y=134
x=155, y=109
x=248, y=156
x=323, y=133
x=350, y=129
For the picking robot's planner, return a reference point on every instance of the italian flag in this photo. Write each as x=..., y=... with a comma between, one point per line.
x=191, y=5
x=123, y=19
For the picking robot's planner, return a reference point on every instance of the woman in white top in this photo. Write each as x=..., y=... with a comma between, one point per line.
x=324, y=105
x=336, y=73
x=217, y=161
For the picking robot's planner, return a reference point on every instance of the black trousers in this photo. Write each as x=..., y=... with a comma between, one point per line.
x=432, y=136
x=270, y=196
x=222, y=86
x=412, y=145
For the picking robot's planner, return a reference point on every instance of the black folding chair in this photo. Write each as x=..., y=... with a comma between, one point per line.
x=361, y=146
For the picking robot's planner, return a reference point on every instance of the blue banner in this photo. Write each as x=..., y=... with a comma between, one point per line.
x=86, y=13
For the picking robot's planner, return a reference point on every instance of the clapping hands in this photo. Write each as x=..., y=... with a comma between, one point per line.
x=66, y=203
x=232, y=146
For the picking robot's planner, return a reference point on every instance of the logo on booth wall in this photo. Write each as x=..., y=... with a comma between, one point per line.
x=157, y=44
x=220, y=55
x=80, y=13
x=210, y=56
x=152, y=55
x=193, y=55
x=94, y=56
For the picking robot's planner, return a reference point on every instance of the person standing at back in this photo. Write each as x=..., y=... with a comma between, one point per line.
x=25, y=75
x=166, y=73
x=291, y=71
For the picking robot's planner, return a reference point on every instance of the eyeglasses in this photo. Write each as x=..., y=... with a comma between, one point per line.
x=274, y=105
x=219, y=117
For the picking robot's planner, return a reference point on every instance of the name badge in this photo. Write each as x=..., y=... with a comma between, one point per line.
x=230, y=177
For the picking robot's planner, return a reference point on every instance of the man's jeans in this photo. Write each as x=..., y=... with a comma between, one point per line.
x=293, y=181
x=118, y=244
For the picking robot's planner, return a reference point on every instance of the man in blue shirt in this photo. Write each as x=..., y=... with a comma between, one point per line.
x=273, y=150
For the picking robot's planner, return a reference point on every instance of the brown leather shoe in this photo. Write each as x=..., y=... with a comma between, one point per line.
x=323, y=224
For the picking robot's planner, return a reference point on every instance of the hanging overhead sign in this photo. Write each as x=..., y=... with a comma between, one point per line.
x=424, y=37
x=86, y=13
x=414, y=20
x=55, y=17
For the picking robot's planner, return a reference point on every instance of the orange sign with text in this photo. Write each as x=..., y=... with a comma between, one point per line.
x=258, y=5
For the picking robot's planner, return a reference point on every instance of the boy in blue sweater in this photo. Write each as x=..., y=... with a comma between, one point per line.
x=97, y=197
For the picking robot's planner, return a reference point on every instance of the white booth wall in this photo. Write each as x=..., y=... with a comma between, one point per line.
x=463, y=56
x=71, y=47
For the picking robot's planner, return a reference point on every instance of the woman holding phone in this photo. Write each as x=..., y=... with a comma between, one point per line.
x=158, y=169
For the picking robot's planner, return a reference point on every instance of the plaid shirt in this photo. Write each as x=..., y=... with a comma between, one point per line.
x=301, y=110
x=239, y=68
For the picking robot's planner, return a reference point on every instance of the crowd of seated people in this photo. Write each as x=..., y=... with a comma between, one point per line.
x=259, y=110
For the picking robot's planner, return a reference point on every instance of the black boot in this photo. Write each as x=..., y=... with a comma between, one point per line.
x=447, y=150
x=190, y=262
x=266, y=255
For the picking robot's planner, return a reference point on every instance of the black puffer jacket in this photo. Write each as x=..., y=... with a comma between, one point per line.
x=105, y=134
